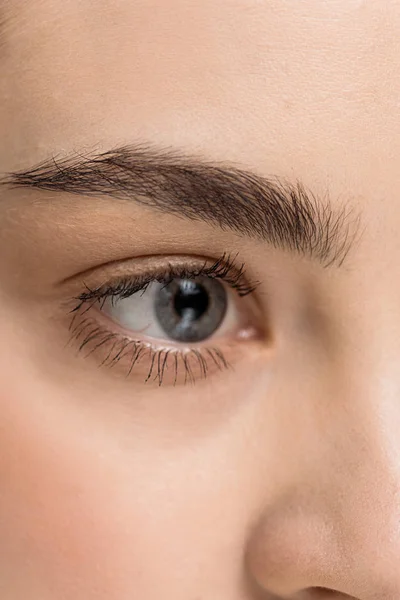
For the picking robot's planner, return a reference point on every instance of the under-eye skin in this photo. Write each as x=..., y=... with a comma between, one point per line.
x=170, y=324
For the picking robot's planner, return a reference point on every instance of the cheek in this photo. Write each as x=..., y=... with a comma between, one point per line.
x=69, y=518
x=79, y=512
x=56, y=513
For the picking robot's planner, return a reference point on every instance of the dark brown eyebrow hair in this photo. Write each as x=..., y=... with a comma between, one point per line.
x=282, y=214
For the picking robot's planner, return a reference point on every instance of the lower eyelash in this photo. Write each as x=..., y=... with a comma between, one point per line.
x=91, y=336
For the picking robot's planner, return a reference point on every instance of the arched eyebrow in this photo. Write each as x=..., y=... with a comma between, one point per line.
x=279, y=213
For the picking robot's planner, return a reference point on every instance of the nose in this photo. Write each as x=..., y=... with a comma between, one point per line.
x=333, y=530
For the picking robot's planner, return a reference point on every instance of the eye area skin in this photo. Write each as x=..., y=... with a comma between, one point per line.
x=118, y=345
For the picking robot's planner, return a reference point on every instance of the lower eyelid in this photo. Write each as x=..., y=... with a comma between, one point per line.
x=162, y=365
x=153, y=362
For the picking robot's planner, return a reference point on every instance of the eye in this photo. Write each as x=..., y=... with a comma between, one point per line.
x=171, y=316
x=183, y=310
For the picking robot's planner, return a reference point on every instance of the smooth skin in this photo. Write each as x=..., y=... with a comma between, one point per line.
x=281, y=477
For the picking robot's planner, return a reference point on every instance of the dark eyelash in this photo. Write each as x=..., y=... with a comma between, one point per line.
x=89, y=335
x=224, y=268
x=134, y=351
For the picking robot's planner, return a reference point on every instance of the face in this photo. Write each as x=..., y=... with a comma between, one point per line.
x=199, y=300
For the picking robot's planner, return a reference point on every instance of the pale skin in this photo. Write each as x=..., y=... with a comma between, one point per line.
x=277, y=478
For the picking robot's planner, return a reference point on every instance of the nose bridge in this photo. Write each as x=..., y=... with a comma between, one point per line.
x=363, y=338
x=339, y=527
x=368, y=474
x=365, y=450
x=365, y=359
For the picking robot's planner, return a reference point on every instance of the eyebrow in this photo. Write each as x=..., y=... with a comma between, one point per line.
x=275, y=211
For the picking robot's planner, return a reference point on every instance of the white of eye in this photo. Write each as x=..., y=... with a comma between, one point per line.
x=137, y=314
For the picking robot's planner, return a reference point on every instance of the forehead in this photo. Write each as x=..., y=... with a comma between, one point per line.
x=311, y=86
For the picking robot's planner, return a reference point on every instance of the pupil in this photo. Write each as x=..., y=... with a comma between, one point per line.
x=191, y=299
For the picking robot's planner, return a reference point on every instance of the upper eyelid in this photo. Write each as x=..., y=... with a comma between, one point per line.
x=223, y=268
x=173, y=258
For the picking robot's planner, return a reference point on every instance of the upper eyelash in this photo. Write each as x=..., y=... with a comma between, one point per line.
x=224, y=268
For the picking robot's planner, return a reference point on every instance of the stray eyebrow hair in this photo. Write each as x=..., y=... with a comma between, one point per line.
x=282, y=214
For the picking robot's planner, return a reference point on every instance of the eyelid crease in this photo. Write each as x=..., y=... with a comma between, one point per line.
x=223, y=268
x=226, y=263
